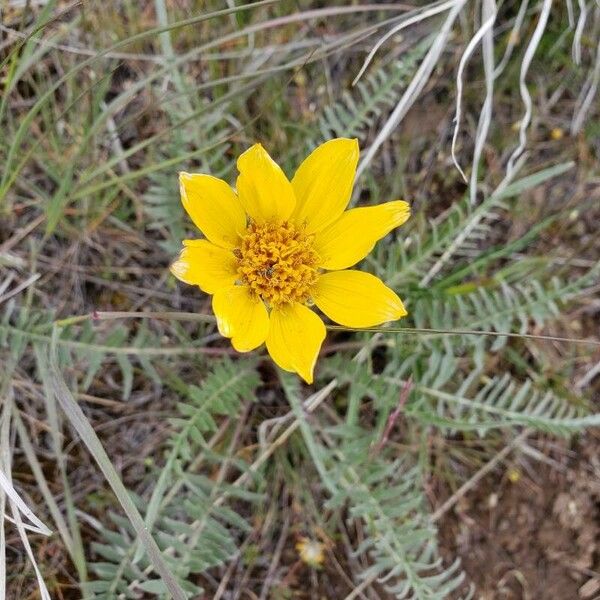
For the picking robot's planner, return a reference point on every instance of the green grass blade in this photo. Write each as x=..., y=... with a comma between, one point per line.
x=80, y=423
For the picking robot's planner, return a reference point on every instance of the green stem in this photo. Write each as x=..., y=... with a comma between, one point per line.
x=315, y=451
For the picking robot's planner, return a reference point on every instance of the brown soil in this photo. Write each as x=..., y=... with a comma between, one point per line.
x=532, y=532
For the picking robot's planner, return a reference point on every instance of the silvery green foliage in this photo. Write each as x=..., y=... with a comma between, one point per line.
x=385, y=494
x=194, y=530
x=482, y=403
x=451, y=393
x=360, y=108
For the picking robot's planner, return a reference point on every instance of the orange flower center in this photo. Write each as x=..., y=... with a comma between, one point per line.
x=277, y=262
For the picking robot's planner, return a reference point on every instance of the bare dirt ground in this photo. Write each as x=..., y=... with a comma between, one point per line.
x=533, y=532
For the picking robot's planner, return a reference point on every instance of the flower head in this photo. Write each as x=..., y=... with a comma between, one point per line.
x=311, y=552
x=274, y=248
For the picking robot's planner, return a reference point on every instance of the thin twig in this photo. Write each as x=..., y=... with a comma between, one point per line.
x=205, y=318
x=22, y=286
x=391, y=422
x=468, y=485
x=530, y=336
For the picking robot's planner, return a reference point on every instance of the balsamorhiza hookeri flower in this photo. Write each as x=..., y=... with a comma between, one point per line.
x=275, y=248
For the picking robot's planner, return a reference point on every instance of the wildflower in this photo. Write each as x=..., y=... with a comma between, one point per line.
x=311, y=552
x=274, y=248
x=514, y=475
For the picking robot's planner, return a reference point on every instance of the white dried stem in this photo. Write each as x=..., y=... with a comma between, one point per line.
x=489, y=13
x=576, y=50
x=525, y=95
x=17, y=506
x=416, y=85
x=513, y=38
x=420, y=16
x=570, y=13
x=485, y=27
x=587, y=95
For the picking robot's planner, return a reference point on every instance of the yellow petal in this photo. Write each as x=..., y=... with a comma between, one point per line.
x=356, y=299
x=241, y=316
x=264, y=190
x=214, y=207
x=206, y=265
x=295, y=337
x=323, y=183
x=353, y=235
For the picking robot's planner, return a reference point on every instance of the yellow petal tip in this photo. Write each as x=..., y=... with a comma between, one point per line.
x=295, y=338
x=353, y=142
x=400, y=311
x=178, y=269
x=184, y=176
x=308, y=378
x=401, y=212
x=254, y=148
x=240, y=347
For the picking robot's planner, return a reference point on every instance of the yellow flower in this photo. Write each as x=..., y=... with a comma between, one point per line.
x=514, y=475
x=311, y=552
x=276, y=247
